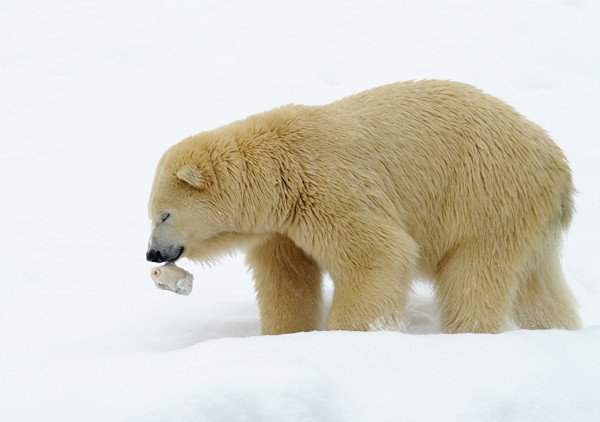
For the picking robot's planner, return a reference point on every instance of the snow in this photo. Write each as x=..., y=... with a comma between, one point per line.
x=92, y=93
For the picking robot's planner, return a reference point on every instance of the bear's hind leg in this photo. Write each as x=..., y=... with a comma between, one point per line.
x=475, y=290
x=544, y=300
x=288, y=286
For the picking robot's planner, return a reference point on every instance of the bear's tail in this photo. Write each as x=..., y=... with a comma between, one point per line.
x=567, y=206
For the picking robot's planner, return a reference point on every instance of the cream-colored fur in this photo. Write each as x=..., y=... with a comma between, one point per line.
x=429, y=178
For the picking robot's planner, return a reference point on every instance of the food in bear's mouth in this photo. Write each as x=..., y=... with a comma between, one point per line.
x=171, y=277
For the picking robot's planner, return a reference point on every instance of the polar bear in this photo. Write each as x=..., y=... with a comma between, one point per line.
x=430, y=179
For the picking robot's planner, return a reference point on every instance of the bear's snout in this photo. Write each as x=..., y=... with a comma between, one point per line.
x=154, y=256
x=171, y=254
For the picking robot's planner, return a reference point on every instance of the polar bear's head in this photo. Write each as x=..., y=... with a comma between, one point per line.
x=193, y=201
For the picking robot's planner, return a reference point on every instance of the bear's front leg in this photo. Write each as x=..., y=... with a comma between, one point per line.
x=288, y=286
x=372, y=282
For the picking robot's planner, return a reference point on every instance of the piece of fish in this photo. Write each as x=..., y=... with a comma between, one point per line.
x=171, y=277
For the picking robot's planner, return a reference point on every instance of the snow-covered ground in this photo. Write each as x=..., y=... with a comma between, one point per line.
x=92, y=93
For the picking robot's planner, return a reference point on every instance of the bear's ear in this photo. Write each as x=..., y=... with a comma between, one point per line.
x=194, y=176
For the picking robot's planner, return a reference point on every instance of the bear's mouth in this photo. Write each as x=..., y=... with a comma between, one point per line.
x=179, y=253
x=169, y=255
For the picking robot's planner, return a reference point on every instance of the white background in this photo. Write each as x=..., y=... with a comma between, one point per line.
x=91, y=95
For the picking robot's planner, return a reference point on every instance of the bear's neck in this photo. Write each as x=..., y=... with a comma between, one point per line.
x=274, y=182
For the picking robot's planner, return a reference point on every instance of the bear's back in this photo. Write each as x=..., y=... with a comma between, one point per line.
x=416, y=149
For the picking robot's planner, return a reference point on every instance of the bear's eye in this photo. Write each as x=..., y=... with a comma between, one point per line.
x=164, y=216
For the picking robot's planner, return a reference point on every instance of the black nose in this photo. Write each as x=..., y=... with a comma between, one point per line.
x=154, y=256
